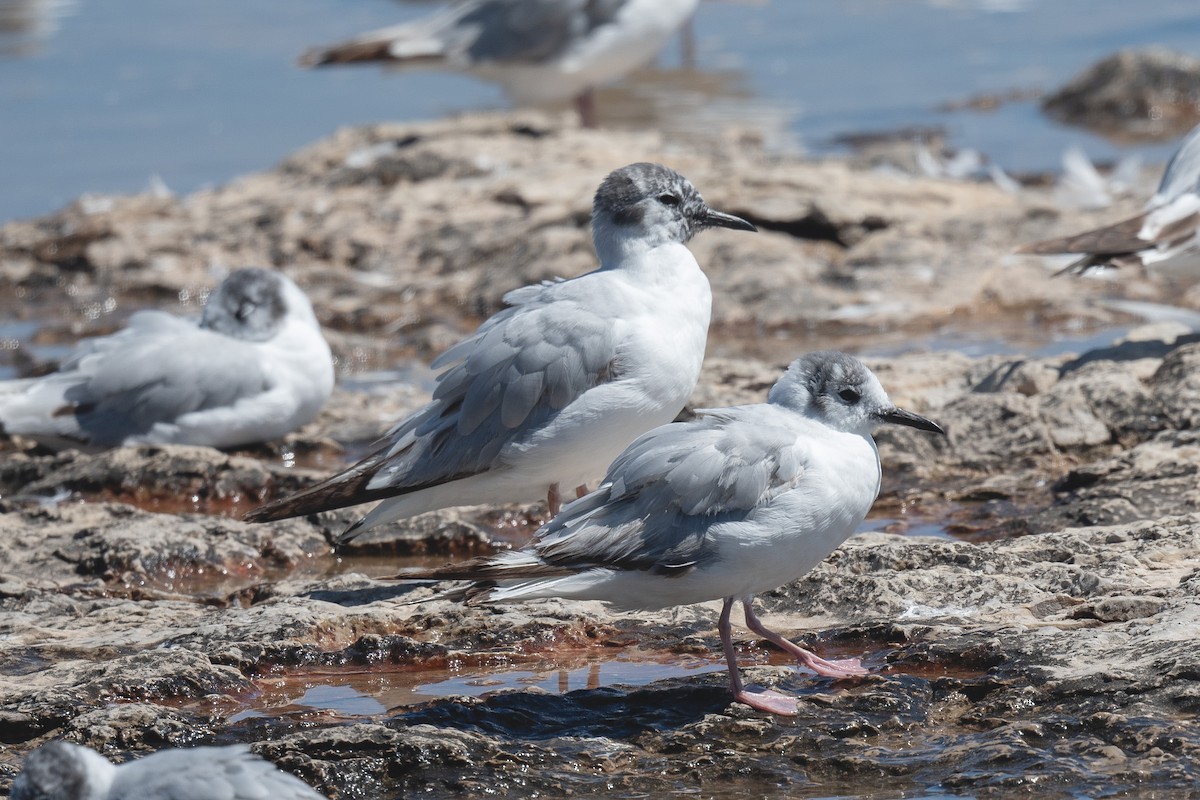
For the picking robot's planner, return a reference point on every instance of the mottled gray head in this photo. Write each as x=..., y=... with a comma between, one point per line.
x=654, y=203
x=249, y=305
x=57, y=771
x=839, y=391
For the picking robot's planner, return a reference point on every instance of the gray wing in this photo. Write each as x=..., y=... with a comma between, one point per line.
x=526, y=30
x=1182, y=174
x=665, y=492
x=154, y=371
x=510, y=378
x=476, y=32
x=207, y=773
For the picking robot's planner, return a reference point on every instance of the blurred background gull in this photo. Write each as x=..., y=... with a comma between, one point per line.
x=101, y=97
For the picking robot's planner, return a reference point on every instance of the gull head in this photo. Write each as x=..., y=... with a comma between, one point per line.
x=839, y=391
x=653, y=205
x=251, y=304
x=63, y=771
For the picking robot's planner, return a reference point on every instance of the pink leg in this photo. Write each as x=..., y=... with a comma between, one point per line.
x=844, y=668
x=585, y=104
x=580, y=490
x=553, y=500
x=769, y=701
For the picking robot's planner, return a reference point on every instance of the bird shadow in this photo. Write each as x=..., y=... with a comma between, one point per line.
x=610, y=711
x=998, y=380
x=365, y=595
x=1128, y=351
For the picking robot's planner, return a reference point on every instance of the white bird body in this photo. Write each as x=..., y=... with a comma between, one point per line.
x=65, y=771
x=1171, y=233
x=549, y=390
x=735, y=502
x=166, y=379
x=827, y=482
x=538, y=51
x=658, y=347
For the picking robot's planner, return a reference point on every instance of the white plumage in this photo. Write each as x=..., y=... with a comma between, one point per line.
x=738, y=501
x=255, y=367
x=548, y=391
x=65, y=771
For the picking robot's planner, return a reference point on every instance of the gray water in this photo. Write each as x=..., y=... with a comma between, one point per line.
x=102, y=96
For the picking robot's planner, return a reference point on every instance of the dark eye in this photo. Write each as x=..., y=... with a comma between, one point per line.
x=668, y=199
x=850, y=396
x=245, y=310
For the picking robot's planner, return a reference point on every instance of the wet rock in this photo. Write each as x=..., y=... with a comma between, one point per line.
x=1155, y=478
x=362, y=222
x=1054, y=651
x=167, y=477
x=1133, y=94
x=121, y=545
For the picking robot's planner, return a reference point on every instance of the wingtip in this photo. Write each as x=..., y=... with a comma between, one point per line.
x=350, y=534
x=313, y=57
x=260, y=514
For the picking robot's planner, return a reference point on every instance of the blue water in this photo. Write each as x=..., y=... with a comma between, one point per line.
x=108, y=94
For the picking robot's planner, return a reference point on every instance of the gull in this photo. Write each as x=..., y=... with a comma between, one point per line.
x=736, y=502
x=1165, y=234
x=65, y=771
x=547, y=391
x=539, y=51
x=254, y=367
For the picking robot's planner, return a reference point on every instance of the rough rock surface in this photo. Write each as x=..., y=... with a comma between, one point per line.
x=1133, y=94
x=1041, y=645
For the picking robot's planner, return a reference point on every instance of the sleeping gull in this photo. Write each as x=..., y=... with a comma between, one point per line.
x=254, y=368
x=549, y=390
x=738, y=501
x=65, y=771
x=1166, y=234
x=539, y=51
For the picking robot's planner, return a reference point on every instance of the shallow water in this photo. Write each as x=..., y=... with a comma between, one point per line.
x=357, y=692
x=110, y=97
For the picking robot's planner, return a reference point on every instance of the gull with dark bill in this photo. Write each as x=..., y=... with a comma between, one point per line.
x=549, y=390
x=65, y=771
x=1166, y=235
x=539, y=51
x=254, y=368
x=738, y=501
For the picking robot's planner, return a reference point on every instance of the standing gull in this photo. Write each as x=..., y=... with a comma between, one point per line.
x=65, y=771
x=548, y=391
x=1166, y=234
x=254, y=368
x=539, y=51
x=739, y=501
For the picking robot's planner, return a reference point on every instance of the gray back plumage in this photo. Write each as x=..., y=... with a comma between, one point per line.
x=662, y=495
x=522, y=367
x=207, y=772
x=156, y=370
x=532, y=31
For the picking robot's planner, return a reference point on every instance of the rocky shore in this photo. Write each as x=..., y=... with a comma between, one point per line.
x=1041, y=644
